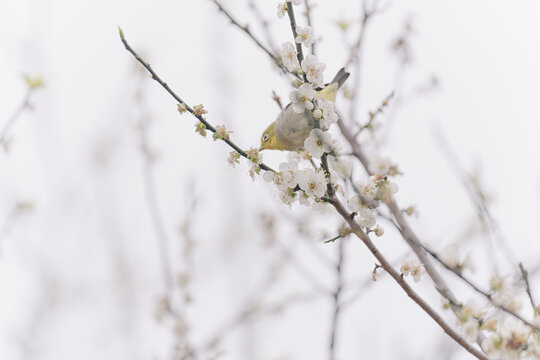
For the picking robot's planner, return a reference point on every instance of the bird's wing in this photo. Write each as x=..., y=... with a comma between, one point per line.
x=293, y=128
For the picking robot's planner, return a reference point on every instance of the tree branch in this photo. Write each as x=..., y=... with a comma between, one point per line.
x=355, y=228
x=180, y=101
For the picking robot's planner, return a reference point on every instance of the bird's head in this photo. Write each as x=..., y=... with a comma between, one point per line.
x=269, y=140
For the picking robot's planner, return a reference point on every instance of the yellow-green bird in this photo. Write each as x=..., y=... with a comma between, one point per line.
x=290, y=129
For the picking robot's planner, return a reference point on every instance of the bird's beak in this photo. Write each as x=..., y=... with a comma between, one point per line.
x=261, y=148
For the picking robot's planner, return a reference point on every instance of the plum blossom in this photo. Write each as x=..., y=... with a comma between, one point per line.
x=312, y=182
x=233, y=158
x=365, y=216
x=451, y=257
x=304, y=36
x=288, y=56
x=384, y=166
x=414, y=268
x=255, y=159
x=313, y=70
x=288, y=171
x=329, y=115
x=302, y=98
x=318, y=142
x=281, y=9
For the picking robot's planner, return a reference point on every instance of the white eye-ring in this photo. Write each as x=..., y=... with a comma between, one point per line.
x=265, y=137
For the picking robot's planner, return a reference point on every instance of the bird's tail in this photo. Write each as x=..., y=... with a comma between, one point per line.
x=330, y=90
x=340, y=77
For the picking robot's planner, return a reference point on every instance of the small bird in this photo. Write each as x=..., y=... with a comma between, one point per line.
x=290, y=129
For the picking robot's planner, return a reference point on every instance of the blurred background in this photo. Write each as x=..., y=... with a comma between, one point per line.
x=125, y=235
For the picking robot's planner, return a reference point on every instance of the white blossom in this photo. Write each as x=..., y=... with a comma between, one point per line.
x=341, y=166
x=329, y=115
x=451, y=257
x=281, y=9
x=514, y=336
x=303, y=199
x=320, y=206
x=302, y=98
x=384, y=189
x=288, y=172
x=414, y=268
x=365, y=216
x=304, y=35
x=492, y=345
x=288, y=56
x=288, y=196
x=312, y=182
x=313, y=70
x=380, y=166
x=318, y=142
x=470, y=328
x=255, y=159
x=268, y=176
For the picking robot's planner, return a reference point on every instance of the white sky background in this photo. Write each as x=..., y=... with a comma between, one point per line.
x=80, y=275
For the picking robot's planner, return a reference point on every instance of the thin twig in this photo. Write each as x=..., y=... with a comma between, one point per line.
x=292, y=20
x=525, y=278
x=264, y=24
x=180, y=101
x=310, y=23
x=355, y=57
x=245, y=29
x=154, y=210
x=277, y=99
x=302, y=270
x=482, y=292
x=373, y=114
x=15, y=116
x=478, y=199
x=355, y=228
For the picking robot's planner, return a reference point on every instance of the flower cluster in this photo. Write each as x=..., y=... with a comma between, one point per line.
x=369, y=194
x=502, y=290
x=307, y=186
x=472, y=320
x=511, y=340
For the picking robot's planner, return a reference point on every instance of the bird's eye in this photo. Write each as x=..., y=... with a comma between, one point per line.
x=265, y=137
